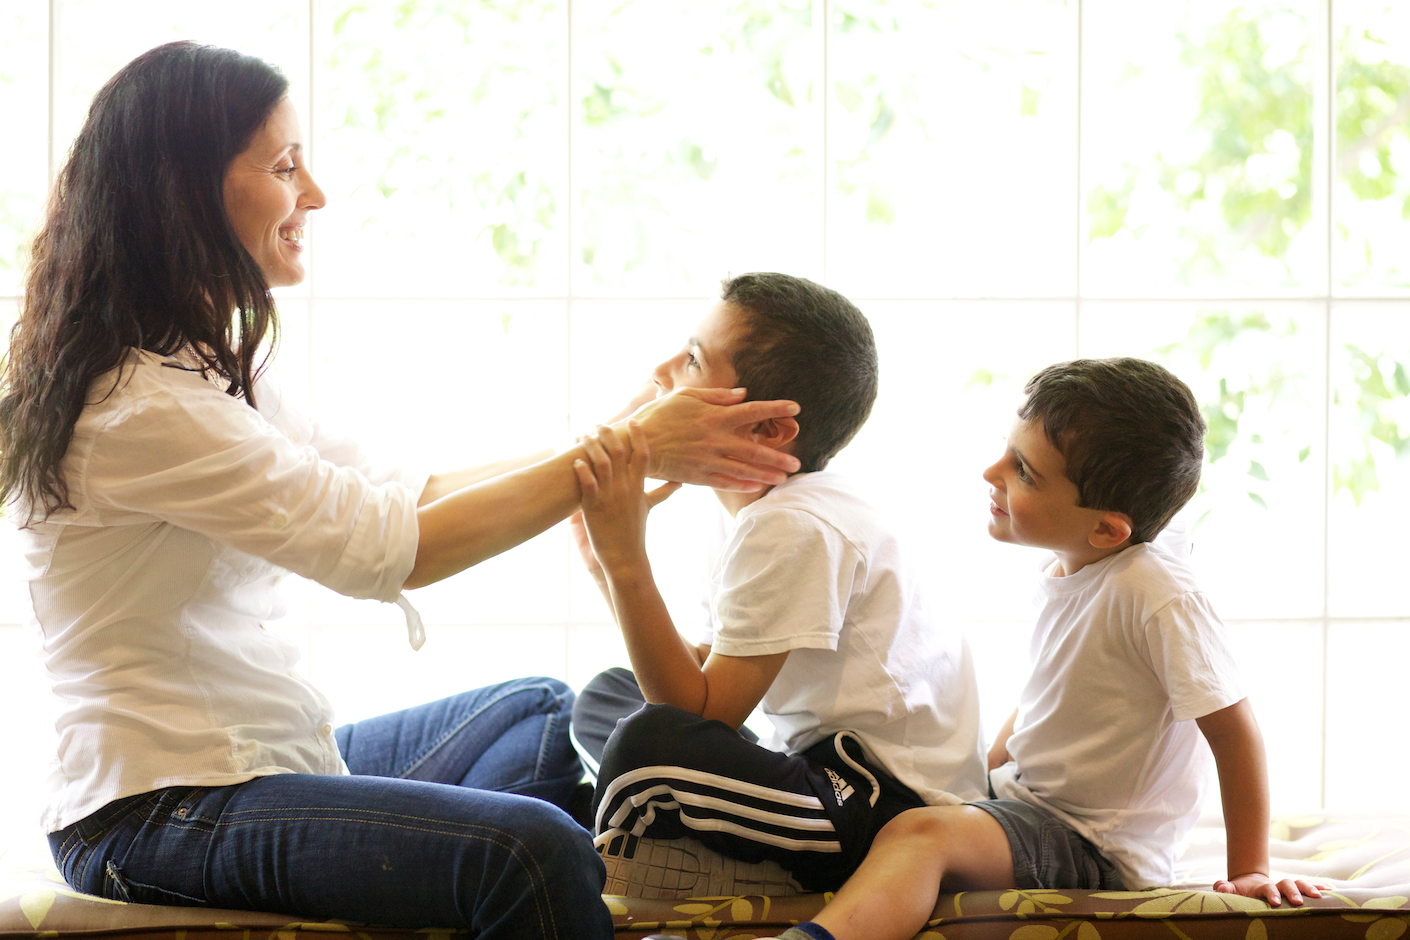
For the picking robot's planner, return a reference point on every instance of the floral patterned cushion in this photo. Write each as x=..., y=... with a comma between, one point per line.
x=1365, y=858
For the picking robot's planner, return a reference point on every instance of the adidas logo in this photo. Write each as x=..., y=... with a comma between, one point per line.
x=840, y=788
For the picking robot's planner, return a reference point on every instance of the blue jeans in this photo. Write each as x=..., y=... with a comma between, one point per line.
x=430, y=831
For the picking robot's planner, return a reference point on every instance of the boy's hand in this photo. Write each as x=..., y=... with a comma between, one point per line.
x=615, y=502
x=1258, y=885
x=578, y=527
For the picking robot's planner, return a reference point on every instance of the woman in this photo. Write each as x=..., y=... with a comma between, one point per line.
x=163, y=487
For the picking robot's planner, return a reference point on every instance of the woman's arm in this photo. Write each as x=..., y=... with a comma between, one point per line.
x=445, y=483
x=693, y=438
x=479, y=521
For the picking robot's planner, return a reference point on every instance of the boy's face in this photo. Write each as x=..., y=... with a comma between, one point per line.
x=1032, y=502
x=707, y=361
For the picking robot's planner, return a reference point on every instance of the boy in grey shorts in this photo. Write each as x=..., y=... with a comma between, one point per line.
x=1100, y=772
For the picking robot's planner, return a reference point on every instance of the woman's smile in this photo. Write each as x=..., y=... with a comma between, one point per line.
x=269, y=193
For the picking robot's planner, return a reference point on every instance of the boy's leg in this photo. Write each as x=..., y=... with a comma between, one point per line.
x=511, y=737
x=991, y=844
x=892, y=894
x=1046, y=853
x=606, y=699
x=668, y=774
x=360, y=848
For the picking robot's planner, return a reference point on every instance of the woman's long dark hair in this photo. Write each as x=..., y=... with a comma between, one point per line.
x=136, y=252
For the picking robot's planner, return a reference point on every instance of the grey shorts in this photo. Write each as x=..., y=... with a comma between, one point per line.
x=1047, y=854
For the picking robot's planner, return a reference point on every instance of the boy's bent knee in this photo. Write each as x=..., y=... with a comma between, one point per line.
x=971, y=845
x=946, y=828
x=650, y=736
x=540, y=868
x=933, y=824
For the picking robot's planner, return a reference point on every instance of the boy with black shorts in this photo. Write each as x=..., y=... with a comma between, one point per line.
x=814, y=615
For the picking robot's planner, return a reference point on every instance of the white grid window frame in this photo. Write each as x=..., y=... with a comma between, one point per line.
x=1332, y=302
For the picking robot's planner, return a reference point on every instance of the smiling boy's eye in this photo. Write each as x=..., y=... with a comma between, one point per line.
x=691, y=361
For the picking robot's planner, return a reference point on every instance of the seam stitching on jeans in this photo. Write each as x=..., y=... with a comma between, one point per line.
x=549, y=728
x=460, y=726
x=498, y=837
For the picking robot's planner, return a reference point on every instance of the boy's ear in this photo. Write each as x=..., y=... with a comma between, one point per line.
x=1111, y=530
x=774, y=432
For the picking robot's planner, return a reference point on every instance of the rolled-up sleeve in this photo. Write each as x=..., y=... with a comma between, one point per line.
x=189, y=455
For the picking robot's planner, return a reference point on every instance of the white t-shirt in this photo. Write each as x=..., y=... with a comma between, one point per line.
x=1125, y=654
x=809, y=568
x=151, y=594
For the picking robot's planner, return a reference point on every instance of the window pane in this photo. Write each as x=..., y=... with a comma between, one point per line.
x=1257, y=372
x=24, y=100
x=1001, y=663
x=1370, y=444
x=1365, y=699
x=1281, y=668
x=697, y=147
x=97, y=37
x=951, y=132
x=1372, y=196
x=454, y=659
x=441, y=385
x=27, y=736
x=1197, y=148
x=951, y=378
x=443, y=141
x=615, y=346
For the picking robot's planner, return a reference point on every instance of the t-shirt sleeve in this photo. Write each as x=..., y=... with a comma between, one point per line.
x=784, y=585
x=1190, y=652
x=198, y=459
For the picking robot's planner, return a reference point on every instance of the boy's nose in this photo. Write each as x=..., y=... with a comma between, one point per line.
x=661, y=375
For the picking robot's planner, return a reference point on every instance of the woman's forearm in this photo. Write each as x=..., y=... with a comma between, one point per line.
x=693, y=440
x=472, y=523
x=445, y=483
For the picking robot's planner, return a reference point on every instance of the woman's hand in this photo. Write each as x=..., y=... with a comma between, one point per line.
x=615, y=502
x=694, y=437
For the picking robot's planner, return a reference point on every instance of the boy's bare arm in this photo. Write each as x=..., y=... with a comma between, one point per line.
x=1237, y=744
x=668, y=668
x=999, y=751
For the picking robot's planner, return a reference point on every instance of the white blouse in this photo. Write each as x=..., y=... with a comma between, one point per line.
x=152, y=593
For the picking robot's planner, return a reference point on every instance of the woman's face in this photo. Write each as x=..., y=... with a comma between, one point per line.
x=269, y=194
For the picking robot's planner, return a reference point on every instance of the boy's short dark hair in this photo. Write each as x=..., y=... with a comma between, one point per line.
x=808, y=343
x=1131, y=432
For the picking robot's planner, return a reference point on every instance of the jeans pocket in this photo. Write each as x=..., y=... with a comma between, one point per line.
x=115, y=886
x=137, y=834
x=82, y=849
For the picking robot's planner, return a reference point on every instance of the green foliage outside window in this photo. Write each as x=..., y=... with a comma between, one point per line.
x=1255, y=117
